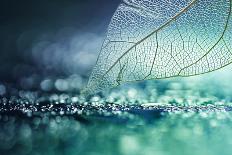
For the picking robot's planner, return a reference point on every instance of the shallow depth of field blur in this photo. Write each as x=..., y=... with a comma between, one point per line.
x=47, y=51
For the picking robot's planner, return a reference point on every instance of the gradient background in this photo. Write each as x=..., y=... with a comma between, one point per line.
x=47, y=38
x=46, y=42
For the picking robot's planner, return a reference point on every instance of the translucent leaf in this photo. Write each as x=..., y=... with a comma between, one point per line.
x=153, y=39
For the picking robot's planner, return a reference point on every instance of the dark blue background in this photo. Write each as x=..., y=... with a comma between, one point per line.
x=35, y=17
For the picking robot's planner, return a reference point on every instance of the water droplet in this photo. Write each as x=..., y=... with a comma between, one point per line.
x=61, y=85
x=2, y=89
x=46, y=85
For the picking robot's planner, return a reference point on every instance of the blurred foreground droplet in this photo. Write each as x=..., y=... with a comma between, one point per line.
x=2, y=89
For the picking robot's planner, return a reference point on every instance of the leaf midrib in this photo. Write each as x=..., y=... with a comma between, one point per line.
x=223, y=33
x=152, y=33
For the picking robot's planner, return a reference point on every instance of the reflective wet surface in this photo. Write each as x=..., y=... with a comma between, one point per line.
x=71, y=127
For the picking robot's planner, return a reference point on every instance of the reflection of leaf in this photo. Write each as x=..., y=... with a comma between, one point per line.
x=152, y=39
